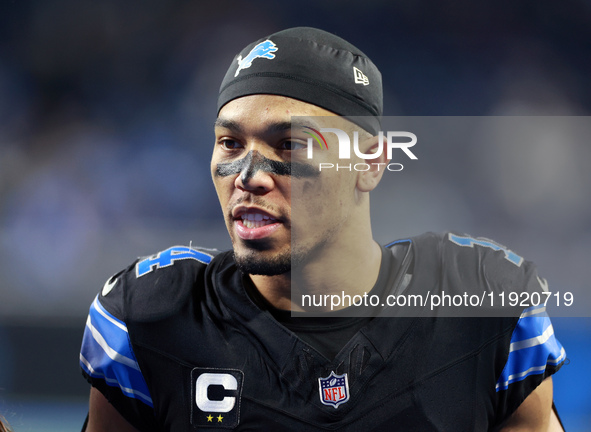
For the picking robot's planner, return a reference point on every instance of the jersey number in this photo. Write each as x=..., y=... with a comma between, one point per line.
x=470, y=242
x=168, y=257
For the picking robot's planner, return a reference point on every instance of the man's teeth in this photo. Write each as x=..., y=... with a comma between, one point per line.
x=256, y=220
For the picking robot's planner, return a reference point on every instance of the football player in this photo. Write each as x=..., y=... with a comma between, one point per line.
x=192, y=338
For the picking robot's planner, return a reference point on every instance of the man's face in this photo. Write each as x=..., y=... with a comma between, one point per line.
x=258, y=163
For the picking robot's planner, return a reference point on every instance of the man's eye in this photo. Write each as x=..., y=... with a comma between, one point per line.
x=229, y=144
x=292, y=145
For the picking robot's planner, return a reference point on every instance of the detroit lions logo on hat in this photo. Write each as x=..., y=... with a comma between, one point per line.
x=263, y=50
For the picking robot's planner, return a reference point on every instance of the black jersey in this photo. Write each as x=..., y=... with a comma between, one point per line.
x=175, y=343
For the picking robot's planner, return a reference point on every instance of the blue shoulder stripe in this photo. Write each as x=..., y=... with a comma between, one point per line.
x=533, y=348
x=107, y=354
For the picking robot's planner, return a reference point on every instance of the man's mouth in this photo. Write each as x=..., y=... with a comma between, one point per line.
x=256, y=220
x=254, y=224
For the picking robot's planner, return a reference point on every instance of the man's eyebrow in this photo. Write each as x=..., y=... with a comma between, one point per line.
x=227, y=124
x=279, y=127
x=276, y=127
x=288, y=125
x=300, y=123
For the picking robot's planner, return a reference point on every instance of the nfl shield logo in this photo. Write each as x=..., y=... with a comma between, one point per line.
x=334, y=389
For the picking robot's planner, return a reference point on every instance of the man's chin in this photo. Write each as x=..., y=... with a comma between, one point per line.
x=258, y=265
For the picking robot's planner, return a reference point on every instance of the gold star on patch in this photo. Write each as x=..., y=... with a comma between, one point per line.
x=209, y=418
x=220, y=418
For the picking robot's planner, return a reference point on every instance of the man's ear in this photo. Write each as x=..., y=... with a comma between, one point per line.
x=369, y=179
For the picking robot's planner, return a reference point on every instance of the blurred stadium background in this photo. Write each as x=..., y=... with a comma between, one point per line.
x=106, y=113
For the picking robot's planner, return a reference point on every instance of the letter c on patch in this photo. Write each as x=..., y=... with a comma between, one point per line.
x=207, y=379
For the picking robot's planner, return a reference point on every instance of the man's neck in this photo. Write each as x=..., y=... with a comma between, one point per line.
x=339, y=272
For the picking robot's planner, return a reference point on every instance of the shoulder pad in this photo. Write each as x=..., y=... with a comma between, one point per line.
x=491, y=267
x=474, y=268
x=154, y=285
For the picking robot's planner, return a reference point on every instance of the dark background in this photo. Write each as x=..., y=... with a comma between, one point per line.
x=106, y=114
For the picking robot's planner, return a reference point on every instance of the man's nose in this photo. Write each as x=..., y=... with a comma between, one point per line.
x=255, y=174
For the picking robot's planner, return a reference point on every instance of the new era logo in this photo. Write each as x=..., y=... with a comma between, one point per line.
x=360, y=77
